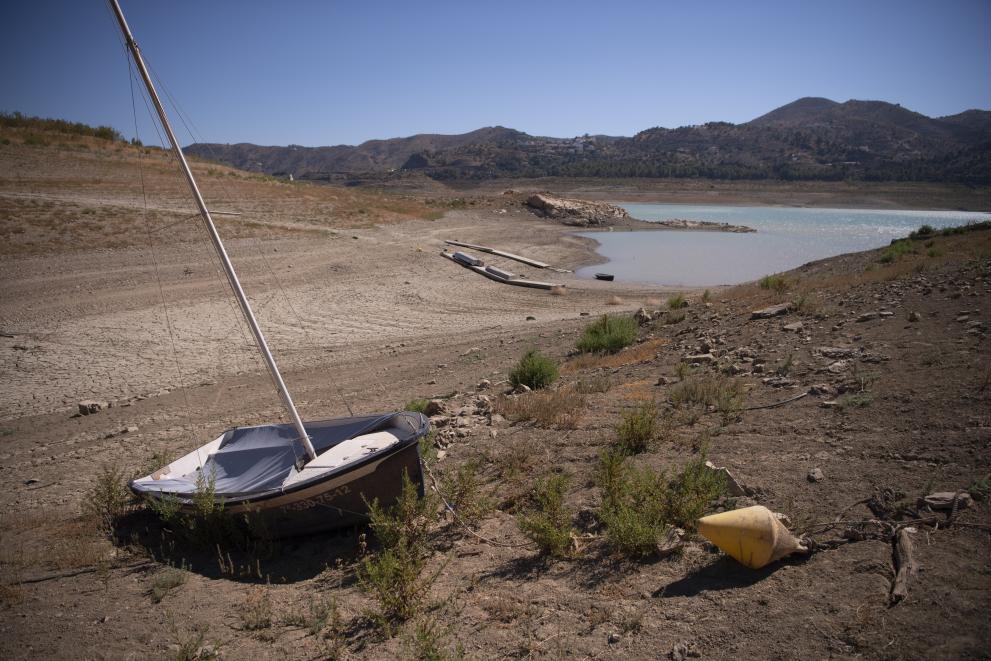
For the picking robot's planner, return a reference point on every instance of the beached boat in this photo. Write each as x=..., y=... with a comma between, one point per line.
x=291, y=478
x=604, y=276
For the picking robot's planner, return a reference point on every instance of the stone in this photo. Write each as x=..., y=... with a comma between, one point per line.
x=815, y=475
x=580, y=213
x=733, y=487
x=944, y=500
x=867, y=316
x=643, y=317
x=530, y=317
x=796, y=327
x=614, y=638
x=838, y=367
x=438, y=421
x=484, y=384
x=700, y=358
x=89, y=406
x=497, y=420
x=837, y=353
x=664, y=380
x=771, y=311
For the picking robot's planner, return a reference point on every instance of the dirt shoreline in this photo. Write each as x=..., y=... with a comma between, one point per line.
x=93, y=327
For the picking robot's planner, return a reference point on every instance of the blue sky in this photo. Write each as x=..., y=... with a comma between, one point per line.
x=334, y=72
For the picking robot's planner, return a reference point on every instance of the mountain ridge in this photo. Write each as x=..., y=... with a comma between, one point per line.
x=811, y=138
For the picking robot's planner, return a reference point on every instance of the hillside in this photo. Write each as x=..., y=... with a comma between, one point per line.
x=809, y=139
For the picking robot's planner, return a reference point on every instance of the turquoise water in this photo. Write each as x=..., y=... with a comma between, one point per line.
x=786, y=237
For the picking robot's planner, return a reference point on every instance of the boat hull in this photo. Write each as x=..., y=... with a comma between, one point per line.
x=337, y=502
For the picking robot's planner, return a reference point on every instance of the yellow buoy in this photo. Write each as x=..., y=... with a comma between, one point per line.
x=752, y=535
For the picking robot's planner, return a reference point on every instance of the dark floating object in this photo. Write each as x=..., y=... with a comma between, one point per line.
x=604, y=276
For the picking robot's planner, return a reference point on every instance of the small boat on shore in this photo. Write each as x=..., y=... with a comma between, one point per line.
x=605, y=276
x=290, y=478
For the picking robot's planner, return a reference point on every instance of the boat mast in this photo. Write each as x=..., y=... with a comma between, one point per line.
x=214, y=236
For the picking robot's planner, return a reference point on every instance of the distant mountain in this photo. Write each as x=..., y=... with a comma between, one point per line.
x=811, y=138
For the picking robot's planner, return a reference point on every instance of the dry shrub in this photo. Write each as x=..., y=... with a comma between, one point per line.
x=652, y=302
x=614, y=300
x=593, y=384
x=639, y=353
x=638, y=429
x=558, y=290
x=561, y=408
x=722, y=394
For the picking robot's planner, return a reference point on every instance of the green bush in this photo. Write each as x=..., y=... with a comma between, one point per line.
x=548, y=523
x=393, y=575
x=677, y=302
x=463, y=491
x=639, y=504
x=897, y=248
x=416, y=405
x=534, y=370
x=108, y=498
x=609, y=334
x=637, y=429
x=776, y=283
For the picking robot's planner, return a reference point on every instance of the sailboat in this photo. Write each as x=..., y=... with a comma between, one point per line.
x=293, y=478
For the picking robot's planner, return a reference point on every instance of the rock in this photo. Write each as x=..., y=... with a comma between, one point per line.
x=31, y=480
x=484, y=384
x=682, y=651
x=867, y=316
x=671, y=543
x=884, y=314
x=581, y=213
x=796, y=327
x=821, y=389
x=496, y=420
x=914, y=317
x=438, y=421
x=441, y=454
x=530, y=317
x=434, y=407
x=733, y=487
x=772, y=311
x=643, y=317
x=89, y=406
x=700, y=358
x=614, y=638
x=815, y=475
x=522, y=388
x=828, y=405
x=838, y=367
x=664, y=380
x=943, y=500
x=837, y=353
x=129, y=430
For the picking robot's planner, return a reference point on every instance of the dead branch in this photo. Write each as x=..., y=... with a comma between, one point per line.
x=904, y=565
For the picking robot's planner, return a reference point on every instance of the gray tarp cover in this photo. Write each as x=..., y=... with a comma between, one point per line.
x=254, y=460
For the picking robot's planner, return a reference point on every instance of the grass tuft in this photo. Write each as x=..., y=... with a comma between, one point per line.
x=561, y=408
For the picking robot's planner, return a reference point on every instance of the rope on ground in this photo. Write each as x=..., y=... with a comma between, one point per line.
x=775, y=404
x=463, y=524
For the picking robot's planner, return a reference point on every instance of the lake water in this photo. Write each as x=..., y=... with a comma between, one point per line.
x=786, y=237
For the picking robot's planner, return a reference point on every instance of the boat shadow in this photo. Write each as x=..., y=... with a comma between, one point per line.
x=243, y=558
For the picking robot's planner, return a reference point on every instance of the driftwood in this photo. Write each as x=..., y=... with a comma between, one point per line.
x=904, y=564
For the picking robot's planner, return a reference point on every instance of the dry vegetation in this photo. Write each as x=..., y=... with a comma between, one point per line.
x=63, y=191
